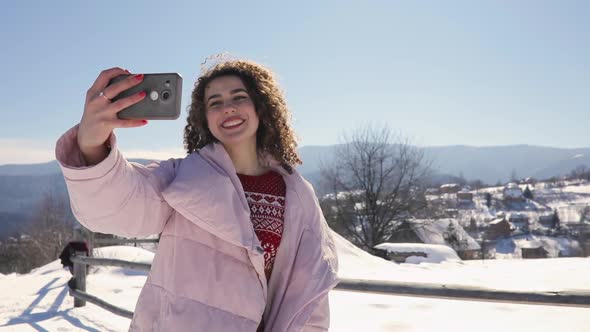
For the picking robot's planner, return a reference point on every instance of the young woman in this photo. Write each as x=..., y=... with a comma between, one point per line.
x=244, y=245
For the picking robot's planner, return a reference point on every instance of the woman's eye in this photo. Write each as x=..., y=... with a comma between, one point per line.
x=240, y=98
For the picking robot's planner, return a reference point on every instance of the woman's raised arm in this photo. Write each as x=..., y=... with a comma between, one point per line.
x=108, y=194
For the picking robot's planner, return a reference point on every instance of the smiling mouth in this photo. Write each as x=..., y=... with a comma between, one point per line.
x=232, y=123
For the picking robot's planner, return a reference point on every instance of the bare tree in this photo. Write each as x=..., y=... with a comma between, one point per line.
x=46, y=234
x=54, y=226
x=375, y=180
x=580, y=172
x=513, y=176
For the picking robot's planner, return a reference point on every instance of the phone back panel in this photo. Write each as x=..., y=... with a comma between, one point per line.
x=162, y=100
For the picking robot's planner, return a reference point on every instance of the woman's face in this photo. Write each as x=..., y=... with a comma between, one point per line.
x=231, y=115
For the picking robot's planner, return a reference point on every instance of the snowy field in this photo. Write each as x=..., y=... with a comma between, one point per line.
x=39, y=301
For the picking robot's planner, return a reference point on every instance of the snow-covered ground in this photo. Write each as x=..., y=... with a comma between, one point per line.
x=569, y=199
x=39, y=301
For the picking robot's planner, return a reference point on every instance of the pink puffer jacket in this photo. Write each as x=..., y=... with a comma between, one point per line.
x=208, y=272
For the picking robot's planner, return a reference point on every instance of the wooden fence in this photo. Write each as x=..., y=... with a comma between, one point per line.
x=77, y=286
x=125, y=241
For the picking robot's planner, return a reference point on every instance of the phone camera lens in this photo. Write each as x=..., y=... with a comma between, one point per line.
x=165, y=95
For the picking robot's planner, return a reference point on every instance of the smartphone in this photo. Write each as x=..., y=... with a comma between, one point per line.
x=162, y=100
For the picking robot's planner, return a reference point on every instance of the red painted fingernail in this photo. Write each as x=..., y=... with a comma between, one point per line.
x=144, y=121
x=139, y=77
x=142, y=94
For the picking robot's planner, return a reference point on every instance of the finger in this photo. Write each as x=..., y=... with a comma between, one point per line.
x=121, y=123
x=123, y=103
x=103, y=79
x=115, y=89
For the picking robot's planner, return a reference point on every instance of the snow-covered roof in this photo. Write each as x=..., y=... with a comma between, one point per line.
x=581, y=188
x=342, y=194
x=513, y=192
x=497, y=221
x=435, y=253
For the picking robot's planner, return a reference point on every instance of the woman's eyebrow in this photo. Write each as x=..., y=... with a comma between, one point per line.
x=231, y=92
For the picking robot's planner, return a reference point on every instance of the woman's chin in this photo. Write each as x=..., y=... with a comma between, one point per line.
x=236, y=140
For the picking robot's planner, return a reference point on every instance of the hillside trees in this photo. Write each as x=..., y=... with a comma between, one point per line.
x=43, y=238
x=527, y=193
x=580, y=172
x=488, y=198
x=555, y=220
x=376, y=180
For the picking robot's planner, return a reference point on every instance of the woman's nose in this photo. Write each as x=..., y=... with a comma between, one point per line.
x=229, y=107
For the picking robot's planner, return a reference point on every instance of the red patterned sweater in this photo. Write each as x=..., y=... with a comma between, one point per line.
x=266, y=198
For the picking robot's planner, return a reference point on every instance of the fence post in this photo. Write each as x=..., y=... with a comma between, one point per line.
x=80, y=277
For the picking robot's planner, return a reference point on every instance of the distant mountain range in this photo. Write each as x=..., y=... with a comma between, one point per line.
x=22, y=186
x=48, y=168
x=21, y=189
x=489, y=164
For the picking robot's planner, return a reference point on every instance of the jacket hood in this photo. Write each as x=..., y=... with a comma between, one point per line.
x=207, y=178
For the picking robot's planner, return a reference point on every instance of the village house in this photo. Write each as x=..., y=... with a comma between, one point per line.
x=437, y=232
x=547, y=220
x=464, y=196
x=432, y=191
x=538, y=252
x=580, y=231
x=405, y=233
x=464, y=199
x=512, y=193
x=520, y=221
x=529, y=180
x=418, y=252
x=497, y=228
x=398, y=256
x=449, y=188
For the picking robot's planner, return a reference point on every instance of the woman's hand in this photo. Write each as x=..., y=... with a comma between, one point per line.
x=100, y=114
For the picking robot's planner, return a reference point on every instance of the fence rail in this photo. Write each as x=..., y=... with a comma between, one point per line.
x=123, y=241
x=83, y=259
x=576, y=298
x=83, y=296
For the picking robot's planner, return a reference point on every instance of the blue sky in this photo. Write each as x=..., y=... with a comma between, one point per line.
x=442, y=73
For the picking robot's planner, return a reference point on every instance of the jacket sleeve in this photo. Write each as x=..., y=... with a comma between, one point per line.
x=115, y=196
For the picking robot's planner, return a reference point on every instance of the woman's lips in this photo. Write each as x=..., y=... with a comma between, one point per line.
x=232, y=122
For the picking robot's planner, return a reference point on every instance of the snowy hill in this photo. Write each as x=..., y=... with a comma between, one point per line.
x=39, y=301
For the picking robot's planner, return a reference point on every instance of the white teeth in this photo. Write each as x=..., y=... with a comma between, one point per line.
x=232, y=123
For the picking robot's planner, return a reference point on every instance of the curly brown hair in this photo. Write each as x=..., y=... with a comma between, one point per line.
x=274, y=135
